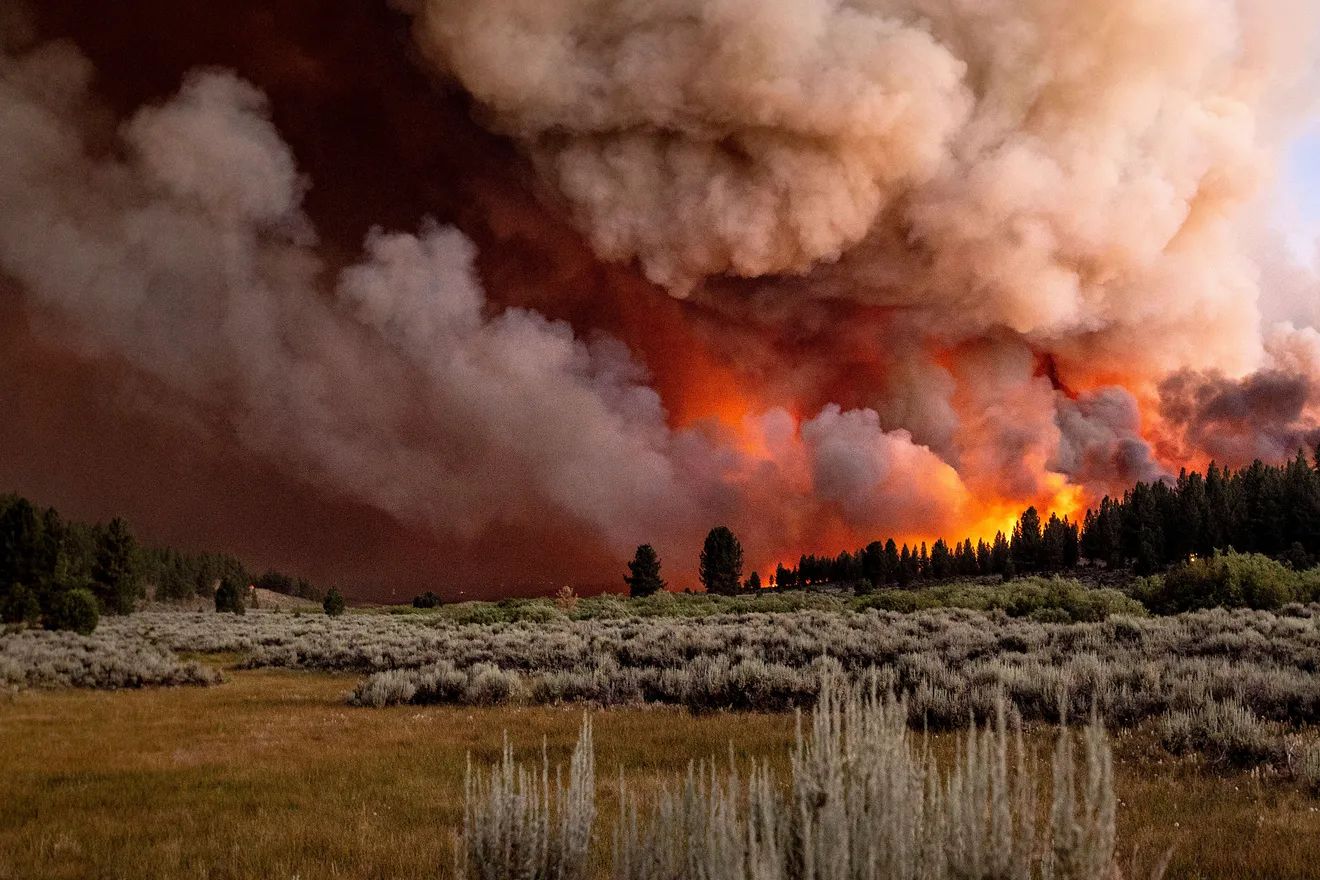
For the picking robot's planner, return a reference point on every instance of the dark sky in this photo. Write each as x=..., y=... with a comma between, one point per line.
x=382, y=145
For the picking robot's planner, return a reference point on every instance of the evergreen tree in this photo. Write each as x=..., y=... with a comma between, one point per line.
x=941, y=561
x=229, y=597
x=20, y=538
x=19, y=605
x=892, y=562
x=116, y=581
x=785, y=578
x=906, y=567
x=334, y=602
x=968, y=566
x=873, y=563
x=753, y=583
x=1025, y=546
x=1102, y=535
x=643, y=578
x=1071, y=544
x=1054, y=549
x=1000, y=555
x=721, y=562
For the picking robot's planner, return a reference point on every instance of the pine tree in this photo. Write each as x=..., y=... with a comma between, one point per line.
x=1053, y=546
x=892, y=562
x=969, y=565
x=1025, y=547
x=785, y=578
x=941, y=561
x=20, y=538
x=1000, y=555
x=116, y=580
x=1071, y=544
x=873, y=562
x=644, y=573
x=906, y=567
x=721, y=562
x=20, y=605
x=334, y=602
x=229, y=597
x=753, y=583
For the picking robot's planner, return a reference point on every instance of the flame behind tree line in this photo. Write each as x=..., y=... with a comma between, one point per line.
x=1272, y=510
x=818, y=270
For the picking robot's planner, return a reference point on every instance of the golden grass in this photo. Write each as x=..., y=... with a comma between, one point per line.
x=271, y=776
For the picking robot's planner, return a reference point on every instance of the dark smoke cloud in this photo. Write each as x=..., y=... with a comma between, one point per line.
x=1102, y=446
x=1266, y=415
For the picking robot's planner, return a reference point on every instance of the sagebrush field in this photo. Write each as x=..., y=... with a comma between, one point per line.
x=284, y=750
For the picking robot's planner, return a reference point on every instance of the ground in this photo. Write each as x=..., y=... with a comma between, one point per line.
x=271, y=776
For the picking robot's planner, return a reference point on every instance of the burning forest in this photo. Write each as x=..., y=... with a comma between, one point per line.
x=480, y=288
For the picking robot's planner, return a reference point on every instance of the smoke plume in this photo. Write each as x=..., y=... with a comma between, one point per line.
x=931, y=260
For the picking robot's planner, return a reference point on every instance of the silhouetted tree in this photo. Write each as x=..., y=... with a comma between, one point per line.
x=1025, y=546
x=941, y=561
x=1000, y=555
x=721, y=562
x=893, y=562
x=644, y=578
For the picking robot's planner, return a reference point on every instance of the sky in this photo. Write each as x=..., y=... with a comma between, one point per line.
x=1300, y=198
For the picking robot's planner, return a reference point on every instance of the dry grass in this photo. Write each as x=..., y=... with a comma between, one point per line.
x=270, y=776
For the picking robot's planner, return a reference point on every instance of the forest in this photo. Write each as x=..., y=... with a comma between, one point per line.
x=1261, y=509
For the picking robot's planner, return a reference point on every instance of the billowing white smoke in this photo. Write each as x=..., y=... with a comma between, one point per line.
x=1068, y=171
x=1006, y=178
x=183, y=251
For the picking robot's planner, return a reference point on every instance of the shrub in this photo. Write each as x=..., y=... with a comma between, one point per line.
x=1052, y=600
x=229, y=597
x=1308, y=770
x=426, y=600
x=863, y=798
x=1225, y=732
x=334, y=602
x=517, y=823
x=1228, y=580
x=566, y=600
x=105, y=660
x=475, y=613
x=75, y=610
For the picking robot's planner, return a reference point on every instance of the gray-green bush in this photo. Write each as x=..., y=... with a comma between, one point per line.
x=1227, y=580
x=44, y=659
x=517, y=823
x=863, y=800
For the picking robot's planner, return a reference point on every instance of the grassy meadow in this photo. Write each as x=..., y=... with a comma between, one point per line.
x=271, y=775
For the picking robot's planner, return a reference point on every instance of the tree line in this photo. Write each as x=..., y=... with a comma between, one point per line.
x=65, y=574
x=1273, y=510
